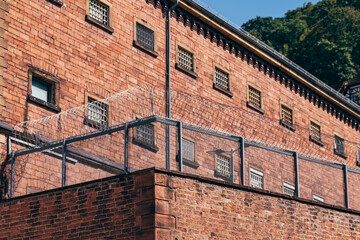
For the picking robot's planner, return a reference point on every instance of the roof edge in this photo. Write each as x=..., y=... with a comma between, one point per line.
x=269, y=54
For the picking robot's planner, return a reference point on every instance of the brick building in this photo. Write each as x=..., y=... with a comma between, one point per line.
x=294, y=131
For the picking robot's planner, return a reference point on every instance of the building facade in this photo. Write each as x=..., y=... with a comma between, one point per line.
x=57, y=55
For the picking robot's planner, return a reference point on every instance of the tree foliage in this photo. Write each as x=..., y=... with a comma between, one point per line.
x=323, y=38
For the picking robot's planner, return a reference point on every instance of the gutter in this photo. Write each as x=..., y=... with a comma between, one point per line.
x=273, y=57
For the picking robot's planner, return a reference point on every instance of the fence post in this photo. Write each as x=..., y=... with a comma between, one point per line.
x=180, y=146
x=63, y=175
x=8, y=149
x=296, y=167
x=12, y=187
x=126, y=149
x=232, y=166
x=345, y=168
x=242, y=158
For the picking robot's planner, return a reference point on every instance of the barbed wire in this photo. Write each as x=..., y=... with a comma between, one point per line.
x=195, y=110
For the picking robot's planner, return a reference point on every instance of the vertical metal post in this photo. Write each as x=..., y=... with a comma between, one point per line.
x=8, y=148
x=242, y=158
x=296, y=167
x=126, y=149
x=232, y=166
x=180, y=146
x=12, y=187
x=63, y=175
x=346, y=186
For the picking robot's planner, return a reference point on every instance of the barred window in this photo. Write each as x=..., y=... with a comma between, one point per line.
x=289, y=189
x=286, y=115
x=256, y=178
x=254, y=97
x=97, y=112
x=339, y=145
x=146, y=134
x=188, y=150
x=99, y=11
x=315, y=131
x=145, y=36
x=318, y=199
x=223, y=165
x=186, y=59
x=222, y=79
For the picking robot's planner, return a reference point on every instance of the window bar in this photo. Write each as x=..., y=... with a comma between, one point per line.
x=12, y=175
x=232, y=166
x=63, y=175
x=346, y=186
x=296, y=166
x=126, y=148
x=180, y=146
x=242, y=158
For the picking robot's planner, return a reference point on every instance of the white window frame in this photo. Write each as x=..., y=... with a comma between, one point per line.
x=259, y=173
x=318, y=199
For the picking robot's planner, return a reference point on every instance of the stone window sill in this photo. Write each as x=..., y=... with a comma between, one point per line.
x=228, y=93
x=187, y=71
x=189, y=163
x=254, y=107
x=289, y=126
x=341, y=154
x=219, y=175
x=144, y=49
x=99, y=24
x=152, y=148
x=43, y=103
x=94, y=124
x=317, y=141
x=58, y=3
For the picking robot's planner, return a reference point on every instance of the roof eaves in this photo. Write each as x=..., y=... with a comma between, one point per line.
x=273, y=53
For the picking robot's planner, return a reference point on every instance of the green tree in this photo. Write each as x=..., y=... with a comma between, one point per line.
x=322, y=38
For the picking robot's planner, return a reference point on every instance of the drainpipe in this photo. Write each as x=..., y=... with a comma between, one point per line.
x=168, y=84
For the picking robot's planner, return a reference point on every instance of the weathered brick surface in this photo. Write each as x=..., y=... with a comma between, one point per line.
x=106, y=209
x=87, y=59
x=205, y=210
x=137, y=206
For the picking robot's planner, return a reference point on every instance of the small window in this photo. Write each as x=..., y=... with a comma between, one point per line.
x=186, y=59
x=254, y=99
x=43, y=89
x=318, y=199
x=99, y=13
x=286, y=117
x=97, y=114
x=289, y=189
x=144, y=37
x=144, y=136
x=188, y=150
x=315, y=133
x=358, y=156
x=222, y=81
x=222, y=166
x=340, y=146
x=256, y=179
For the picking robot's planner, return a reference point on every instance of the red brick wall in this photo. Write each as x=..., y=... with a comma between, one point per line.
x=115, y=208
x=207, y=210
x=155, y=204
x=87, y=59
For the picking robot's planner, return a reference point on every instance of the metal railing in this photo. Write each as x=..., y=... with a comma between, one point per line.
x=61, y=149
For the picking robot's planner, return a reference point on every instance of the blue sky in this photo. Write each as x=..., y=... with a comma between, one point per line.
x=239, y=11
